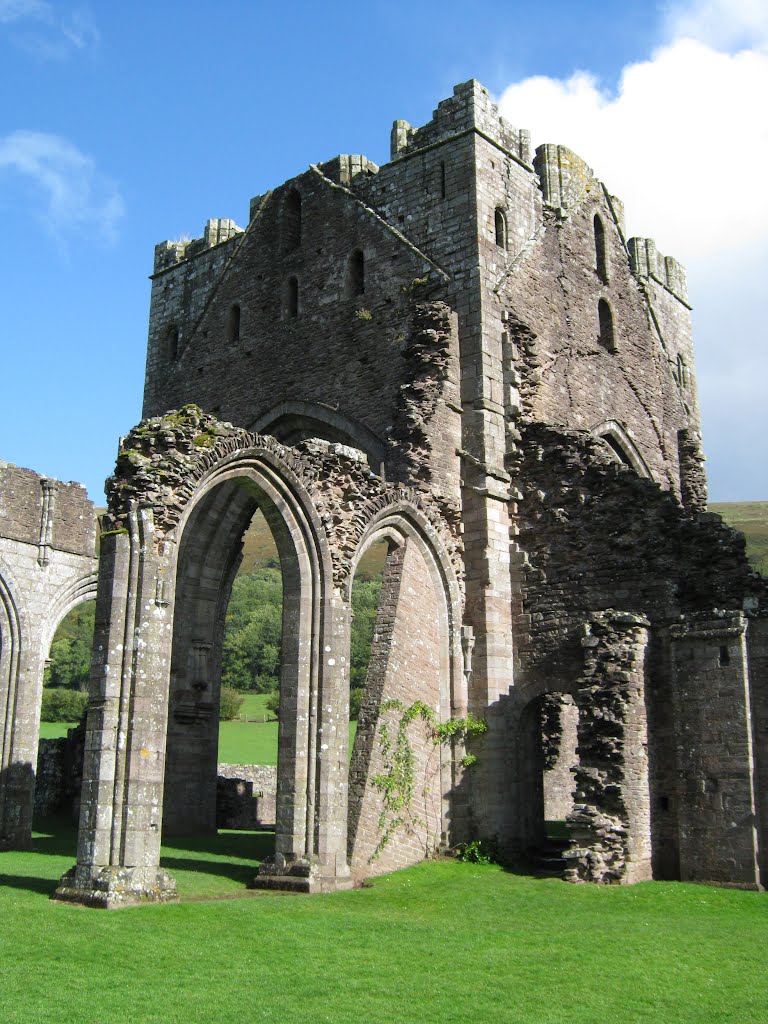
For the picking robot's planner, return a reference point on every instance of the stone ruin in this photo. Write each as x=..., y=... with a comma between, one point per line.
x=462, y=355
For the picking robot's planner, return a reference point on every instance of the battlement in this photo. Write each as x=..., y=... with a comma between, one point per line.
x=565, y=178
x=216, y=231
x=646, y=261
x=470, y=108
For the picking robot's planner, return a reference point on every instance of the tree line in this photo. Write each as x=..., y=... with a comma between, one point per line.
x=251, y=650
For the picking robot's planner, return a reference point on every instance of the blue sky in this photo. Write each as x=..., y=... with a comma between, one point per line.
x=124, y=125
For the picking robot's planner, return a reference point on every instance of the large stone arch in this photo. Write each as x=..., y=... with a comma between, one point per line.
x=183, y=493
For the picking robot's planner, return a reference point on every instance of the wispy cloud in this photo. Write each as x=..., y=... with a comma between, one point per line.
x=68, y=193
x=48, y=31
x=682, y=141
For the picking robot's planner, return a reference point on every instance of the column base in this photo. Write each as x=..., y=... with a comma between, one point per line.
x=299, y=876
x=114, y=887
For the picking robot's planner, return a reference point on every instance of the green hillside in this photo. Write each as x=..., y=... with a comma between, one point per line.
x=751, y=519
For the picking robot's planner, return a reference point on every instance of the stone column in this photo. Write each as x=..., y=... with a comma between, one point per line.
x=122, y=797
x=313, y=760
x=610, y=820
x=715, y=755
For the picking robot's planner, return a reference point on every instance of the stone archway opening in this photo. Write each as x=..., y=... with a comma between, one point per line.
x=64, y=701
x=410, y=662
x=211, y=551
x=547, y=758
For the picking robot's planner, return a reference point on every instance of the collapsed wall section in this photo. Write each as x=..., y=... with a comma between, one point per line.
x=595, y=537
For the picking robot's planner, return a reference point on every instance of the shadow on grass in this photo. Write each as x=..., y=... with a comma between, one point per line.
x=227, y=854
x=251, y=847
x=41, y=886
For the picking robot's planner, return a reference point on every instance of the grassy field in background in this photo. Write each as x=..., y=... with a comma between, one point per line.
x=442, y=943
x=751, y=518
x=240, y=742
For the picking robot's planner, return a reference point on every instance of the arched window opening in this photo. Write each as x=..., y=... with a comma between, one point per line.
x=356, y=273
x=172, y=343
x=233, y=323
x=500, y=224
x=601, y=255
x=291, y=304
x=618, y=450
x=292, y=220
x=607, y=334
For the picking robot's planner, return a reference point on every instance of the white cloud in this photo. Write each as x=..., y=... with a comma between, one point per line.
x=46, y=31
x=683, y=141
x=722, y=24
x=75, y=196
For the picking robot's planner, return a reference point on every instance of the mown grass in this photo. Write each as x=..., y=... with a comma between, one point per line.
x=443, y=942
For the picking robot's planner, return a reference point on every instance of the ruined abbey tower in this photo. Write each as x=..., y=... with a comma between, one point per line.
x=462, y=355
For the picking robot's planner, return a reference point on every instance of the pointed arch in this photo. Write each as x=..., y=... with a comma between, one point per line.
x=621, y=446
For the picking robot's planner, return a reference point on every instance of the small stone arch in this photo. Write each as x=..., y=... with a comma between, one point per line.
x=294, y=421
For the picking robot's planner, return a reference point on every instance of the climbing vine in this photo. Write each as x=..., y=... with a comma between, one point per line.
x=402, y=793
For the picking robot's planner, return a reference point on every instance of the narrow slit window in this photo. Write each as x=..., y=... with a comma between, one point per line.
x=292, y=220
x=172, y=343
x=500, y=224
x=442, y=179
x=724, y=657
x=292, y=298
x=601, y=256
x=356, y=273
x=233, y=323
x=606, y=330
x=682, y=372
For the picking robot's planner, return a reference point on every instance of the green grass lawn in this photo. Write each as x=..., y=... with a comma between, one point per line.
x=442, y=943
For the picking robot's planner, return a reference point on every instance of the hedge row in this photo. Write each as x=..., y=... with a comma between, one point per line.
x=61, y=705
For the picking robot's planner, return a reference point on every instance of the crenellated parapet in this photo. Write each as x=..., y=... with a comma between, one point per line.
x=216, y=231
x=646, y=261
x=470, y=108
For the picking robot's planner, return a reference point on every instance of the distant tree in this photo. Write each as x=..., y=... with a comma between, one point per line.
x=253, y=632
x=70, y=655
x=365, y=604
